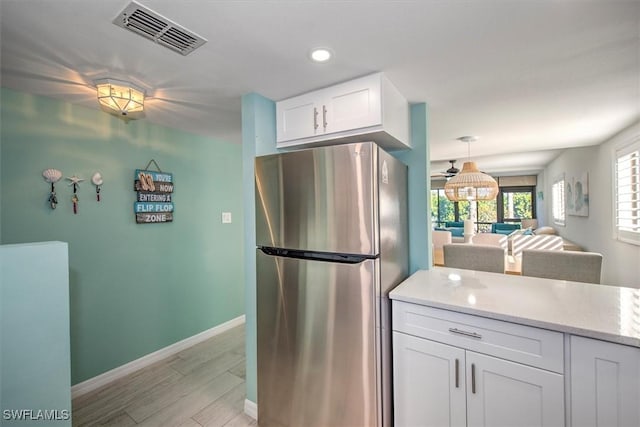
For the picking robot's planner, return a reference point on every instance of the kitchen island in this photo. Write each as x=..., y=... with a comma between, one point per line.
x=477, y=348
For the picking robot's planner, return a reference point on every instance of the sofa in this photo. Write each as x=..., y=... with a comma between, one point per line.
x=567, y=245
x=521, y=242
x=504, y=228
x=541, y=238
x=456, y=228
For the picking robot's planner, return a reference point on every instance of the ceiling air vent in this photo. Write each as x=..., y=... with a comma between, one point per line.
x=156, y=27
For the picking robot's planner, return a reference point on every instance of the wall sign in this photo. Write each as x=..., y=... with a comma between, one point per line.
x=154, y=195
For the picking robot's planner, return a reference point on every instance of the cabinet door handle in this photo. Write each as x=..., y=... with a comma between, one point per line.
x=324, y=117
x=473, y=378
x=465, y=333
x=315, y=118
x=457, y=373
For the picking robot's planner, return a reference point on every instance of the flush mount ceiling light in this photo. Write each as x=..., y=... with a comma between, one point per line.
x=470, y=184
x=120, y=98
x=320, y=54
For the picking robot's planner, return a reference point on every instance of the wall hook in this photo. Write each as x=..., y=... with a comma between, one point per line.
x=52, y=176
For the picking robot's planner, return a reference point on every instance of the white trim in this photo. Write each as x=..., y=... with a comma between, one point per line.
x=121, y=371
x=620, y=150
x=251, y=409
x=558, y=201
x=614, y=189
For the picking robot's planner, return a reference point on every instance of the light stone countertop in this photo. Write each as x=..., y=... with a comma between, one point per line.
x=609, y=313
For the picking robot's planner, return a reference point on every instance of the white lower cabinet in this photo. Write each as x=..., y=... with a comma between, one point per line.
x=605, y=384
x=503, y=393
x=441, y=385
x=429, y=386
x=454, y=369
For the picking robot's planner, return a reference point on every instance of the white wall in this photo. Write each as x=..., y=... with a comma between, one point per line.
x=621, y=264
x=543, y=199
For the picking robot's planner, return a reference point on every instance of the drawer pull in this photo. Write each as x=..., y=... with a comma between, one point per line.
x=457, y=373
x=473, y=378
x=465, y=333
x=315, y=118
x=324, y=117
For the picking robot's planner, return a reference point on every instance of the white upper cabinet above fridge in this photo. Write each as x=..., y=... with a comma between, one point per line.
x=367, y=108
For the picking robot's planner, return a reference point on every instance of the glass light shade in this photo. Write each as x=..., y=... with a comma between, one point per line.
x=471, y=184
x=121, y=98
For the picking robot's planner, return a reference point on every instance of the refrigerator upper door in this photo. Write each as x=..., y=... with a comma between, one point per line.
x=317, y=354
x=321, y=199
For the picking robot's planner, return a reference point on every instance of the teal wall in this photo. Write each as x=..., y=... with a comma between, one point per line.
x=34, y=297
x=259, y=138
x=0, y=180
x=417, y=159
x=133, y=288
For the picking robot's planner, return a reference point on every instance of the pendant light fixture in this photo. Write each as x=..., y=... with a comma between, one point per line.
x=120, y=98
x=470, y=184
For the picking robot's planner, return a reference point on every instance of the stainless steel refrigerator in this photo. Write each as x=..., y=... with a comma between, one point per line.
x=332, y=241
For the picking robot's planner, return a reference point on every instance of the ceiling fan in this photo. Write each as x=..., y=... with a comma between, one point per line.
x=451, y=172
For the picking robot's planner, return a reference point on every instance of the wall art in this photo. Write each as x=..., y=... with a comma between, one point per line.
x=577, y=194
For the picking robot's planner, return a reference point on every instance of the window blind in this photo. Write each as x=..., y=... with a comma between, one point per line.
x=557, y=201
x=627, y=193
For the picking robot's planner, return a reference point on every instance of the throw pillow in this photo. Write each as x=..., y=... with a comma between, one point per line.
x=545, y=230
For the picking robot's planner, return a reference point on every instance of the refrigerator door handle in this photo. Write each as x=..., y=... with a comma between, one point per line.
x=316, y=256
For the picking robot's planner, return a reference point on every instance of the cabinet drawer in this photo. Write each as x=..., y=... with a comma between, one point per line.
x=524, y=344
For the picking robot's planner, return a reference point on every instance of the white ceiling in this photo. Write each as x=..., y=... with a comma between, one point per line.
x=528, y=77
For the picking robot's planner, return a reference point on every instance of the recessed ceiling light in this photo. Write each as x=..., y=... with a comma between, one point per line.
x=321, y=54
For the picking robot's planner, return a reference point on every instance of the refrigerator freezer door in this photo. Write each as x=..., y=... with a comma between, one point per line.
x=322, y=199
x=317, y=361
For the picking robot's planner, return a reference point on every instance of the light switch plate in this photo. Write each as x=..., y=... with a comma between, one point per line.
x=226, y=217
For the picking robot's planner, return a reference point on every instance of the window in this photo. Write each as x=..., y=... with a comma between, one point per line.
x=464, y=210
x=513, y=204
x=442, y=209
x=627, y=193
x=516, y=203
x=487, y=214
x=557, y=201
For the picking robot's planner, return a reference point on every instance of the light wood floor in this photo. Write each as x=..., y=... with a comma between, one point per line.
x=201, y=386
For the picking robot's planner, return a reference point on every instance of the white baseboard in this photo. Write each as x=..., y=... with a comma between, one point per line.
x=251, y=409
x=121, y=371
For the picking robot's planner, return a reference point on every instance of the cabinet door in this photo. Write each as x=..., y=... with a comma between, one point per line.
x=605, y=384
x=502, y=393
x=425, y=389
x=352, y=105
x=299, y=117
